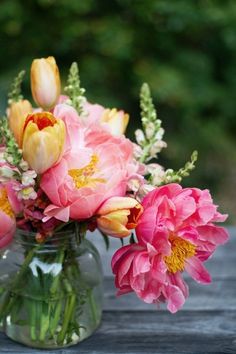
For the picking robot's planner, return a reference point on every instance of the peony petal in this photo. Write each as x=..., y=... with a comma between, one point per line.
x=214, y=234
x=197, y=271
x=57, y=212
x=7, y=229
x=175, y=298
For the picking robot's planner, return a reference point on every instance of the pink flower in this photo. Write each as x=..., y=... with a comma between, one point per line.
x=72, y=123
x=94, y=111
x=95, y=169
x=176, y=232
x=114, y=121
x=9, y=205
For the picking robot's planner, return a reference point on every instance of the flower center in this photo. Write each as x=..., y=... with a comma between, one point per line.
x=42, y=120
x=134, y=216
x=180, y=251
x=4, y=203
x=83, y=177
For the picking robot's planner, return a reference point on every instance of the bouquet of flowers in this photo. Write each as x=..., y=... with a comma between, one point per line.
x=67, y=167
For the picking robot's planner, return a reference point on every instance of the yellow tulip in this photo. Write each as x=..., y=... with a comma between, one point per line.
x=45, y=82
x=119, y=215
x=117, y=121
x=43, y=141
x=17, y=115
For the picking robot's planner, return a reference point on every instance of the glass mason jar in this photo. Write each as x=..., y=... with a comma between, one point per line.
x=50, y=293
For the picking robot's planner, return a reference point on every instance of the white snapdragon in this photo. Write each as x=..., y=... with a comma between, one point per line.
x=6, y=173
x=26, y=193
x=150, y=130
x=28, y=178
x=140, y=137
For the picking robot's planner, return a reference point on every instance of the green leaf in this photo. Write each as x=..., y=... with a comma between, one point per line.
x=106, y=240
x=132, y=239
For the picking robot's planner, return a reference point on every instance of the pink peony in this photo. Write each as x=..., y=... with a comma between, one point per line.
x=176, y=232
x=72, y=123
x=9, y=205
x=96, y=167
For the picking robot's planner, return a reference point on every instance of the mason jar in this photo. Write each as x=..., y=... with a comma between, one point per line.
x=50, y=292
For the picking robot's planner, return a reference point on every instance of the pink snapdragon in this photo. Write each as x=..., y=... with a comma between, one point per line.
x=176, y=232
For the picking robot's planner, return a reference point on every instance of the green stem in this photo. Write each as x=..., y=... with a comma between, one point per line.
x=44, y=321
x=93, y=306
x=32, y=315
x=55, y=282
x=55, y=317
x=62, y=226
x=24, y=267
x=69, y=308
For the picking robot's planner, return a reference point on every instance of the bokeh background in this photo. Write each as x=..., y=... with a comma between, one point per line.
x=185, y=50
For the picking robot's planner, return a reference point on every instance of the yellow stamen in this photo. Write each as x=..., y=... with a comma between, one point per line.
x=180, y=251
x=82, y=177
x=4, y=203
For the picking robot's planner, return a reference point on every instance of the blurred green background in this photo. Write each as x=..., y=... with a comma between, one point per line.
x=185, y=50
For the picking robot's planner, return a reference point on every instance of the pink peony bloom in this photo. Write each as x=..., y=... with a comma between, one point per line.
x=73, y=126
x=176, y=232
x=94, y=111
x=95, y=169
x=9, y=205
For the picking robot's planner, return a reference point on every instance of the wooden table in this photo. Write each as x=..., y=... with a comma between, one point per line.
x=206, y=324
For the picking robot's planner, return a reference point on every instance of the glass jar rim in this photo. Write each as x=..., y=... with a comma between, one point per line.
x=71, y=235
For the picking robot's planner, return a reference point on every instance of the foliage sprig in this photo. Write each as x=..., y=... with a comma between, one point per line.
x=13, y=153
x=74, y=90
x=150, y=137
x=15, y=92
x=172, y=176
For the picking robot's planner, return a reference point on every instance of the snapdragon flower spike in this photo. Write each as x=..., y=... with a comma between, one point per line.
x=175, y=233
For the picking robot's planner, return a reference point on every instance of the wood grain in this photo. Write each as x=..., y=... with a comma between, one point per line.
x=207, y=323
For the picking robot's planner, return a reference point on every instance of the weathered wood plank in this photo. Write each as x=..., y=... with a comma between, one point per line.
x=148, y=332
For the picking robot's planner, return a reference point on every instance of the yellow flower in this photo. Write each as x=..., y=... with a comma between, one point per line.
x=17, y=115
x=45, y=82
x=43, y=141
x=118, y=215
x=117, y=121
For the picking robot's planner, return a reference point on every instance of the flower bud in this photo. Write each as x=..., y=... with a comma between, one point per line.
x=45, y=82
x=118, y=215
x=116, y=120
x=43, y=141
x=17, y=114
x=139, y=135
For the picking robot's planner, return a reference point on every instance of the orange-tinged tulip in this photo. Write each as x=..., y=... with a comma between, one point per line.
x=119, y=215
x=43, y=141
x=45, y=82
x=117, y=121
x=17, y=115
